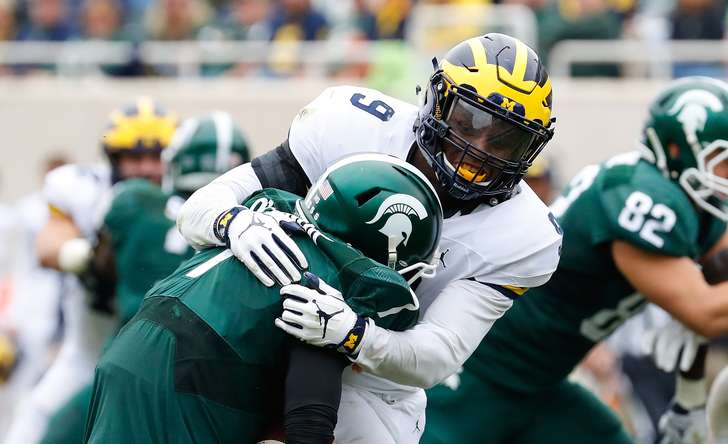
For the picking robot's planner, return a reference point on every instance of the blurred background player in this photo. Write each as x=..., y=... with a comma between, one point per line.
x=30, y=314
x=141, y=242
x=78, y=197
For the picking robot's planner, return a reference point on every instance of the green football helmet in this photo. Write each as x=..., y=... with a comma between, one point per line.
x=382, y=206
x=686, y=137
x=202, y=149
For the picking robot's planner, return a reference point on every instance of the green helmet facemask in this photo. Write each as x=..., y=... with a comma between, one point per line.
x=692, y=115
x=382, y=206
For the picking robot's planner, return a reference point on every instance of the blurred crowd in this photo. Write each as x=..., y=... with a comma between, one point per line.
x=344, y=20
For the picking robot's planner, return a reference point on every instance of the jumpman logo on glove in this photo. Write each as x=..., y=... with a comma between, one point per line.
x=324, y=317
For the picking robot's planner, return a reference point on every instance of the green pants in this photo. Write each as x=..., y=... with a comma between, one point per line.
x=479, y=412
x=173, y=380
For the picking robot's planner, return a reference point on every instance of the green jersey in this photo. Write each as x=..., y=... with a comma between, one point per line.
x=544, y=335
x=145, y=241
x=203, y=357
x=225, y=295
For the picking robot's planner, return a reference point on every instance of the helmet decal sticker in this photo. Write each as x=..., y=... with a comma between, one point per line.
x=398, y=226
x=691, y=110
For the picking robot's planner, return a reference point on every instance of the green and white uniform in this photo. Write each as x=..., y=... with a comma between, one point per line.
x=147, y=247
x=513, y=389
x=202, y=360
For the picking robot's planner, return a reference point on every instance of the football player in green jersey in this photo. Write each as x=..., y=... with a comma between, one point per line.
x=634, y=228
x=202, y=360
x=140, y=242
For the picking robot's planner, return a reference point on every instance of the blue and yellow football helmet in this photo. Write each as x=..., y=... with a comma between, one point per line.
x=486, y=115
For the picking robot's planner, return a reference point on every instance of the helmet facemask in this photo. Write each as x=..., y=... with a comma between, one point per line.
x=478, y=147
x=707, y=189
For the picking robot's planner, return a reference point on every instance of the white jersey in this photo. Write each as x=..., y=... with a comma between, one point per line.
x=488, y=256
x=80, y=192
x=512, y=245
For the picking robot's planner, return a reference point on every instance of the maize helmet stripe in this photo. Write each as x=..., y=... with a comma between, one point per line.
x=146, y=107
x=521, y=62
x=480, y=57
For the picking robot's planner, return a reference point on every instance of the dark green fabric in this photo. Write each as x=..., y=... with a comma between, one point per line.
x=142, y=236
x=67, y=426
x=479, y=412
x=136, y=401
x=546, y=333
x=202, y=360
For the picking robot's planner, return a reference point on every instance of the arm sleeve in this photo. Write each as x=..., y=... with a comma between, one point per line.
x=312, y=394
x=435, y=348
x=275, y=169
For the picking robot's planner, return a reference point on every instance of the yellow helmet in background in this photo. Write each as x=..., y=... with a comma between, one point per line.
x=141, y=128
x=485, y=117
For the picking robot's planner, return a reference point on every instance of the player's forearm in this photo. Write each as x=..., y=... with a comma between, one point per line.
x=421, y=357
x=438, y=346
x=197, y=216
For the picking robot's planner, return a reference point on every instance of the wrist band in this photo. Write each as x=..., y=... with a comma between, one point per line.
x=222, y=223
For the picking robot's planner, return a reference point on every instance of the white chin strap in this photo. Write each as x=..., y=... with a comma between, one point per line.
x=702, y=183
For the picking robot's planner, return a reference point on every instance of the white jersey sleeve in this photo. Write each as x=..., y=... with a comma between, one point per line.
x=341, y=121
x=526, y=254
x=80, y=193
x=196, y=217
x=346, y=120
x=441, y=342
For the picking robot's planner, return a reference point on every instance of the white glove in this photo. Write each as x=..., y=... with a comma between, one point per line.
x=318, y=315
x=260, y=243
x=666, y=343
x=680, y=426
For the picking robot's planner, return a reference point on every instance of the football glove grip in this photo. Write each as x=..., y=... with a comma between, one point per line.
x=317, y=314
x=258, y=241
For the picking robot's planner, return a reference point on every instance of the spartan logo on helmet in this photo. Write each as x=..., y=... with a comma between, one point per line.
x=691, y=110
x=398, y=227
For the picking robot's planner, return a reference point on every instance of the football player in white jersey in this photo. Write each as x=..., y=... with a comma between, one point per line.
x=485, y=117
x=77, y=197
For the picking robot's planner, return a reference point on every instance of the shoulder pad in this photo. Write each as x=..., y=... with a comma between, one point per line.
x=650, y=212
x=527, y=253
x=78, y=192
x=345, y=120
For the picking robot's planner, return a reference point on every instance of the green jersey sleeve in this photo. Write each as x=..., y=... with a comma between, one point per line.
x=371, y=289
x=653, y=216
x=131, y=198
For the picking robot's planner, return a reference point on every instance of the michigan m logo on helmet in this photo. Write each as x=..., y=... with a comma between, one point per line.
x=691, y=110
x=398, y=227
